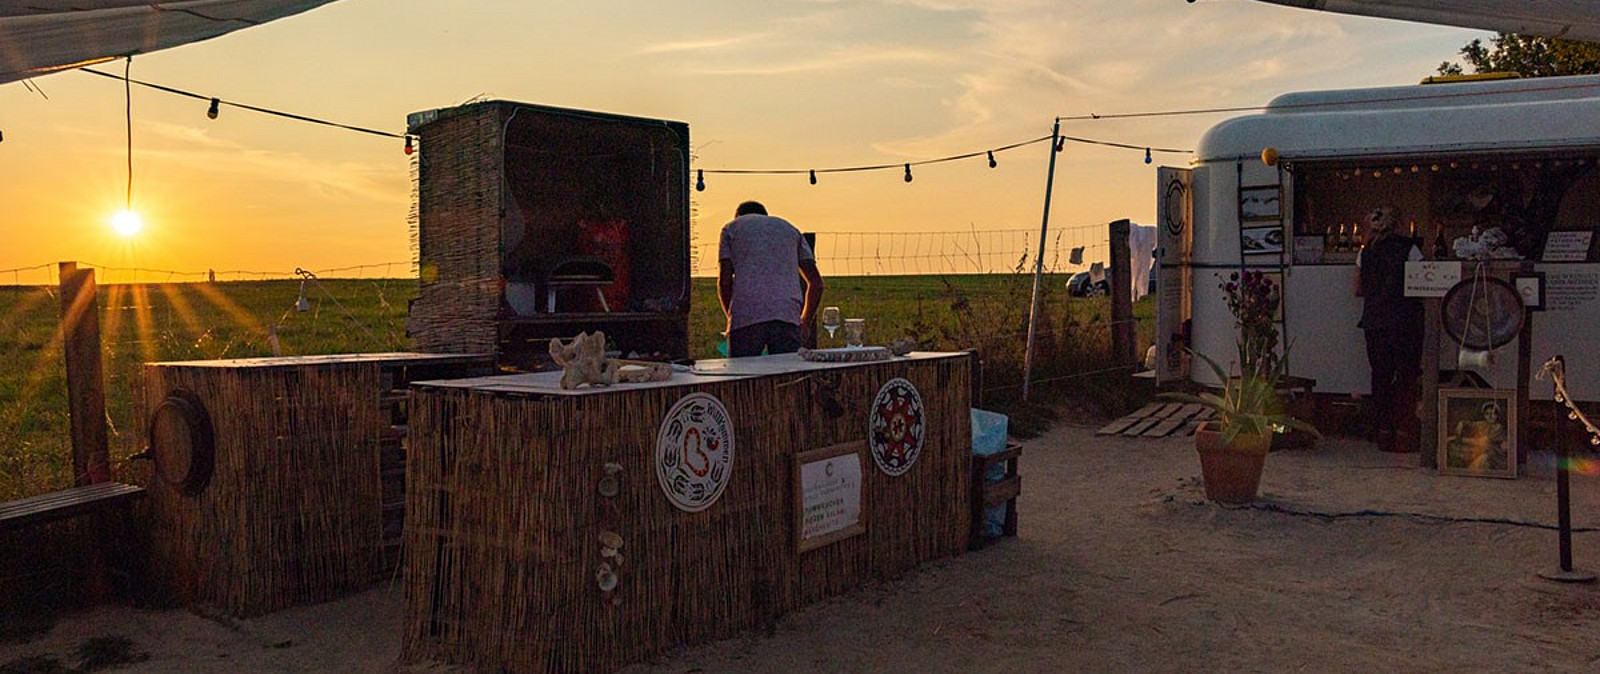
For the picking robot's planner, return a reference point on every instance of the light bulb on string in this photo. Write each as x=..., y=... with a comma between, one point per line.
x=992, y=162
x=908, y=173
x=813, y=176
x=215, y=109
x=699, y=180
x=410, y=148
x=1061, y=144
x=1147, y=158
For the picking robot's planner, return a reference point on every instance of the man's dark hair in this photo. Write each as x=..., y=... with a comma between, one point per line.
x=750, y=207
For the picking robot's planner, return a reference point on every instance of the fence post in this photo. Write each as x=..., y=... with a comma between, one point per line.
x=1038, y=266
x=86, y=394
x=1124, y=347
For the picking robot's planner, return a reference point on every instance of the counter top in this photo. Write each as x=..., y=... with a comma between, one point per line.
x=549, y=383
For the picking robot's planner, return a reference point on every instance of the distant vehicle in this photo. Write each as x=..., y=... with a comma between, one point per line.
x=1079, y=286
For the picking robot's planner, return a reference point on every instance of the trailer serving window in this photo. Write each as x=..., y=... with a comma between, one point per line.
x=1501, y=205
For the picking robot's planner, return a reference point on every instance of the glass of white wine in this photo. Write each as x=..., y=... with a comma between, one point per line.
x=831, y=320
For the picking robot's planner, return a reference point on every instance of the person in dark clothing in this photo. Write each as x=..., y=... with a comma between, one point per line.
x=1392, y=324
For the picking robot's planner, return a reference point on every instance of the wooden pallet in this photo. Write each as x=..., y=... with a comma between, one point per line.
x=1159, y=420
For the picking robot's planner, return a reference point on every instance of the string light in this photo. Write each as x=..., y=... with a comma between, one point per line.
x=214, y=108
x=700, y=180
x=253, y=108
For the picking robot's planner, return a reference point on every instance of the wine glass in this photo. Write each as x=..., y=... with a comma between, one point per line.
x=831, y=320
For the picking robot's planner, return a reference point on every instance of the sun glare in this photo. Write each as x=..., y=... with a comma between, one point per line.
x=127, y=223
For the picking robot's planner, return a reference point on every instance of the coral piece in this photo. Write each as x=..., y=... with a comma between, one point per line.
x=583, y=361
x=637, y=371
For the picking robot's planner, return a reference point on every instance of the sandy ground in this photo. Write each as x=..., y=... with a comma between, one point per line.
x=1355, y=561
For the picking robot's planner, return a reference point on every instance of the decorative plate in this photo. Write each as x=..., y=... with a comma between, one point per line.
x=694, y=452
x=895, y=426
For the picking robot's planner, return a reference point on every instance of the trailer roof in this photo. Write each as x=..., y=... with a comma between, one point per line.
x=1551, y=112
x=1570, y=19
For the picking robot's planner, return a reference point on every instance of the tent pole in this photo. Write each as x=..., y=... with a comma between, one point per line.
x=1038, y=265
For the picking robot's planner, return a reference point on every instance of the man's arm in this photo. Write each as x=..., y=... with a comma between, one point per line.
x=725, y=286
x=1355, y=286
x=808, y=312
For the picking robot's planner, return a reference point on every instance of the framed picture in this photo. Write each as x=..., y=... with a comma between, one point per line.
x=829, y=495
x=1478, y=432
x=1531, y=287
x=1259, y=240
x=1260, y=203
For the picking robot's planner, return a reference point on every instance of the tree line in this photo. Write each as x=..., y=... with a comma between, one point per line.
x=1527, y=56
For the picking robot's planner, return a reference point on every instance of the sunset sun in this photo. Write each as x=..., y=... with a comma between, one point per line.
x=127, y=223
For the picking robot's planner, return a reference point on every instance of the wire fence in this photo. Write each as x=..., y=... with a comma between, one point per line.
x=992, y=251
x=838, y=254
x=50, y=274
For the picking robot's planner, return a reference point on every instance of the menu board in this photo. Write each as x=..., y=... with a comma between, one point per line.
x=828, y=495
x=1567, y=246
x=1431, y=278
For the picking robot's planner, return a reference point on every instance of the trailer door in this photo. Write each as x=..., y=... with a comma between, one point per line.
x=1174, y=245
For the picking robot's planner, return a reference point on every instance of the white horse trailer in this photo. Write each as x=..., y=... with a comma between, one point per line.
x=1285, y=191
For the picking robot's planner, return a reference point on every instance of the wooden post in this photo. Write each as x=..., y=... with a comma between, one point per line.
x=1124, y=346
x=86, y=394
x=1428, y=425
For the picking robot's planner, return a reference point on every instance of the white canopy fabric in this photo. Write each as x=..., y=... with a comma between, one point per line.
x=38, y=37
x=1568, y=19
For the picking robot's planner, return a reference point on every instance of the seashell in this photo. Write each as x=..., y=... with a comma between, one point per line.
x=609, y=486
x=612, y=468
x=605, y=577
x=611, y=539
x=608, y=553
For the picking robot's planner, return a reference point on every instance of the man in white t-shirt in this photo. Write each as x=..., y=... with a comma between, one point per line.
x=769, y=284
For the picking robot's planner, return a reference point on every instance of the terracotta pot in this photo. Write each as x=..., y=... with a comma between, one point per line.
x=1232, y=472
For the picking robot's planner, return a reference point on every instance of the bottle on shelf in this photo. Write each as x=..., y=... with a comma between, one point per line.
x=1340, y=241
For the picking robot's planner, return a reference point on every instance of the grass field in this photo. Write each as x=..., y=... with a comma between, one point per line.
x=190, y=321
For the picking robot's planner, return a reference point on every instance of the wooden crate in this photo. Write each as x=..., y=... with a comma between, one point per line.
x=987, y=494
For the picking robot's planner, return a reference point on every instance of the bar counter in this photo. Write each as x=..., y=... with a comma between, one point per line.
x=563, y=531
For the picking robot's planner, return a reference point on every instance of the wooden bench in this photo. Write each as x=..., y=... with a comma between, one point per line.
x=986, y=494
x=111, y=567
x=58, y=505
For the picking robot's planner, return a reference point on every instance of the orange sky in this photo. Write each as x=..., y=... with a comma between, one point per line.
x=799, y=84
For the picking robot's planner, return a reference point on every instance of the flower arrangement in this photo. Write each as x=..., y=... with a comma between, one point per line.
x=1253, y=300
x=1249, y=403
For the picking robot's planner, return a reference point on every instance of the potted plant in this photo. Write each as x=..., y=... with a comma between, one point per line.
x=1233, y=448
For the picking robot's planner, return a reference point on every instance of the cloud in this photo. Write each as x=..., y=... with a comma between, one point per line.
x=714, y=44
x=829, y=60
x=195, y=148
